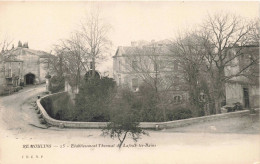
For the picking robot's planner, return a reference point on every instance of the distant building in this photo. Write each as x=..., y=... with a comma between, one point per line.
x=10, y=74
x=148, y=62
x=22, y=66
x=245, y=87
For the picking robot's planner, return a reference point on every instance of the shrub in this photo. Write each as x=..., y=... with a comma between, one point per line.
x=57, y=84
x=124, y=120
x=179, y=113
x=93, y=99
x=238, y=106
x=47, y=105
x=149, y=108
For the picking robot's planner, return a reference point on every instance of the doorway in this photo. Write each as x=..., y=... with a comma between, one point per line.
x=246, y=97
x=29, y=78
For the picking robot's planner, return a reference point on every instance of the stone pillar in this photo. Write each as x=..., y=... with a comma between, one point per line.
x=47, y=85
x=48, y=77
x=66, y=85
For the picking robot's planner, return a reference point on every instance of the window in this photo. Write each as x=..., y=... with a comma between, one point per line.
x=155, y=66
x=176, y=80
x=176, y=65
x=119, y=66
x=119, y=80
x=134, y=64
x=202, y=97
x=19, y=70
x=159, y=65
x=162, y=64
x=135, y=84
x=177, y=99
x=9, y=70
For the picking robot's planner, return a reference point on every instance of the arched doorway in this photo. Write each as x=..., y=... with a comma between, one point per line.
x=29, y=78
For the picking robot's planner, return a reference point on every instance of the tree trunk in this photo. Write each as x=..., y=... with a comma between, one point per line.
x=122, y=141
x=93, y=67
x=219, y=97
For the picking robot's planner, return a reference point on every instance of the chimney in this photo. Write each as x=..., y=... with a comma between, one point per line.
x=91, y=65
x=134, y=44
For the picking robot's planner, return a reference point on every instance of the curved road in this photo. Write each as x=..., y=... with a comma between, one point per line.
x=20, y=127
x=16, y=114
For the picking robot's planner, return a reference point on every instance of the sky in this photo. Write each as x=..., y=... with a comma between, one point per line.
x=43, y=24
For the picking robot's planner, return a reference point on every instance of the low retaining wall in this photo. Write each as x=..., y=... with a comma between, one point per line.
x=144, y=125
x=66, y=124
x=185, y=122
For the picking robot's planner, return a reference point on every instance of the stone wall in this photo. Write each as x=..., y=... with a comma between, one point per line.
x=234, y=93
x=144, y=125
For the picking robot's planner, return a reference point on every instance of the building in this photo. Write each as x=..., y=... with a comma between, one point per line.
x=22, y=66
x=148, y=63
x=245, y=87
x=10, y=74
x=151, y=63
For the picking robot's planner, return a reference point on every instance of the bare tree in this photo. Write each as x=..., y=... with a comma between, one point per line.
x=188, y=51
x=149, y=64
x=81, y=52
x=72, y=59
x=5, y=44
x=220, y=33
x=94, y=32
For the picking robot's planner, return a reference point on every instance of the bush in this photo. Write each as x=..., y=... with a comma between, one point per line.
x=57, y=84
x=252, y=111
x=124, y=117
x=179, y=113
x=93, y=99
x=149, y=108
x=238, y=106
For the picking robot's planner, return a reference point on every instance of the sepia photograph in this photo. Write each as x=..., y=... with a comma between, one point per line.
x=134, y=82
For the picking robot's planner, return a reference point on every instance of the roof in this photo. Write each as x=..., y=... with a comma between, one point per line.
x=144, y=50
x=9, y=58
x=12, y=60
x=22, y=51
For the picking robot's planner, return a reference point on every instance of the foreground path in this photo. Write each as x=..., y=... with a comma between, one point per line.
x=24, y=140
x=16, y=114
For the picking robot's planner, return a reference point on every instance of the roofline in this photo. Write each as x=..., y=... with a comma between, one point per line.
x=12, y=60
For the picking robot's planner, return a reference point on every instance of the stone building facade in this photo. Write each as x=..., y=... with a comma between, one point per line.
x=134, y=65
x=22, y=66
x=10, y=74
x=148, y=63
x=243, y=88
